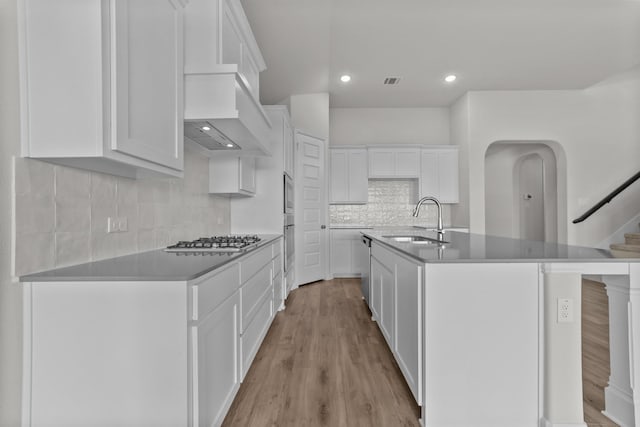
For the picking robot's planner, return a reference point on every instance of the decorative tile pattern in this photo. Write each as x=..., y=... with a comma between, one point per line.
x=61, y=212
x=390, y=202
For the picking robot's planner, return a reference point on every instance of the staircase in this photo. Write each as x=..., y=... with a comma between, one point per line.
x=629, y=249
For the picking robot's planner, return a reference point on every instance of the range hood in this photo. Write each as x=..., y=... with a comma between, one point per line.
x=222, y=111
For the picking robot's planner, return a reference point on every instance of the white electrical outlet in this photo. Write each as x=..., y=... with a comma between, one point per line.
x=565, y=310
x=123, y=224
x=112, y=225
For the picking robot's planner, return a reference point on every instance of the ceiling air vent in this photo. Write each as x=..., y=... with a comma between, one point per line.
x=392, y=80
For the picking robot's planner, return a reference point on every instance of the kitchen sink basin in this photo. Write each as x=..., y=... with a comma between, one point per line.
x=421, y=240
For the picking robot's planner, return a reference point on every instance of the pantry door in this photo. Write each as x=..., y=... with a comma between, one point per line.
x=311, y=211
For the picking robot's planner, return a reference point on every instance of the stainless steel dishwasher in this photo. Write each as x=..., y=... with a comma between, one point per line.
x=365, y=277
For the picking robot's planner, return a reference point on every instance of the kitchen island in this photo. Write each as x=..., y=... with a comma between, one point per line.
x=486, y=330
x=148, y=339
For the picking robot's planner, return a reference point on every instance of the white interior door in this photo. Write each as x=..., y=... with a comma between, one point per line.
x=310, y=208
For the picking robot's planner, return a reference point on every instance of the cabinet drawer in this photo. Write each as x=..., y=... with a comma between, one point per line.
x=208, y=294
x=254, y=262
x=277, y=266
x=275, y=249
x=252, y=337
x=251, y=294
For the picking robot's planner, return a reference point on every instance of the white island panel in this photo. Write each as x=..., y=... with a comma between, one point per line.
x=481, y=345
x=106, y=354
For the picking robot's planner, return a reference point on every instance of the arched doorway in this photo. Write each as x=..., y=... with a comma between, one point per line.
x=521, y=191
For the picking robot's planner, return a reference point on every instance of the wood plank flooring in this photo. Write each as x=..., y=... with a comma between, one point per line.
x=595, y=352
x=325, y=363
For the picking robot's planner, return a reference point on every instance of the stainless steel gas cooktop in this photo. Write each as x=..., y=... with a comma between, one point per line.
x=236, y=243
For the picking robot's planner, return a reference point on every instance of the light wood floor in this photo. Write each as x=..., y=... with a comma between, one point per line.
x=595, y=352
x=325, y=363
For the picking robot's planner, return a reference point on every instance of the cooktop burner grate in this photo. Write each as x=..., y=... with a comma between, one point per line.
x=235, y=243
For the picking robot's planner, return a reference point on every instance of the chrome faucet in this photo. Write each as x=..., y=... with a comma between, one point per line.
x=416, y=210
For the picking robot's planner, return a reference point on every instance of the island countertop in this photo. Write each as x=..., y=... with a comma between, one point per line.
x=470, y=248
x=156, y=265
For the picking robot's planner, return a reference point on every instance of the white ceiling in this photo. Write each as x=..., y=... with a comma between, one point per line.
x=489, y=44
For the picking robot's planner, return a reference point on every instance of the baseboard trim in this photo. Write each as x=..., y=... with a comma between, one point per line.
x=546, y=423
x=619, y=406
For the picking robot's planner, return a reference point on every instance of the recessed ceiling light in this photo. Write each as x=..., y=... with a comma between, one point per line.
x=229, y=145
x=345, y=78
x=206, y=128
x=450, y=78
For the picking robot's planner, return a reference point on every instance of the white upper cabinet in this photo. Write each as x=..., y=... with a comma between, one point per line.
x=391, y=162
x=102, y=84
x=349, y=178
x=232, y=175
x=439, y=177
x=221, y=74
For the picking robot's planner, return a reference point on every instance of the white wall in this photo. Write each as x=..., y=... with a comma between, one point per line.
x=459, y=131
x=10, y=291
x=503, y=197
x=310, y=113
x=597, y=128
x=61, y=212
x=389, y=126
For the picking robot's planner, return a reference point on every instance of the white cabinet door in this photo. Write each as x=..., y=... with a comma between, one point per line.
x=217, y=370
x=248, y=174
x=348, y=257
x=148, y=80
x=105, y=84
x=339, y=176
x=394, y=162
x=381, y=163
x=349, y=181
x=232, y=175
x=439, y=174
x=408, y=326
x=358, y=176
x=375, y=302
x=387, y=310
x=429, y=176
x=341, y=253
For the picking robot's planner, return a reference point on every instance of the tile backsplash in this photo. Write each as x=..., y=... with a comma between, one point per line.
x=390, y=202
x=61, y=213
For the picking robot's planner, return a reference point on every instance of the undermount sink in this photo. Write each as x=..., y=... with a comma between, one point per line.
x=415, y=239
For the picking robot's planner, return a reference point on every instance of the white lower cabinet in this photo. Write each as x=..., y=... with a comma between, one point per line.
x=347, y=254
x=129, y=354
x=375, y=303
x=408, y=322
x=387, y=303
x=216, y=367
x=396, y=304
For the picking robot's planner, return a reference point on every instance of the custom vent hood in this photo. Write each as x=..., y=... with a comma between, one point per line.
x=222, y=111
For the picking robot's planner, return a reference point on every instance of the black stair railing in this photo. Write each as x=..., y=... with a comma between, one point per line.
x=608, y=198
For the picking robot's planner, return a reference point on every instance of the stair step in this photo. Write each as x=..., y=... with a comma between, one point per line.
x=621, y=250
x=632, y=238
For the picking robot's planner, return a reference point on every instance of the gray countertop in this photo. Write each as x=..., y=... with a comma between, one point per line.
x=466, y=247
x=156, y=265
